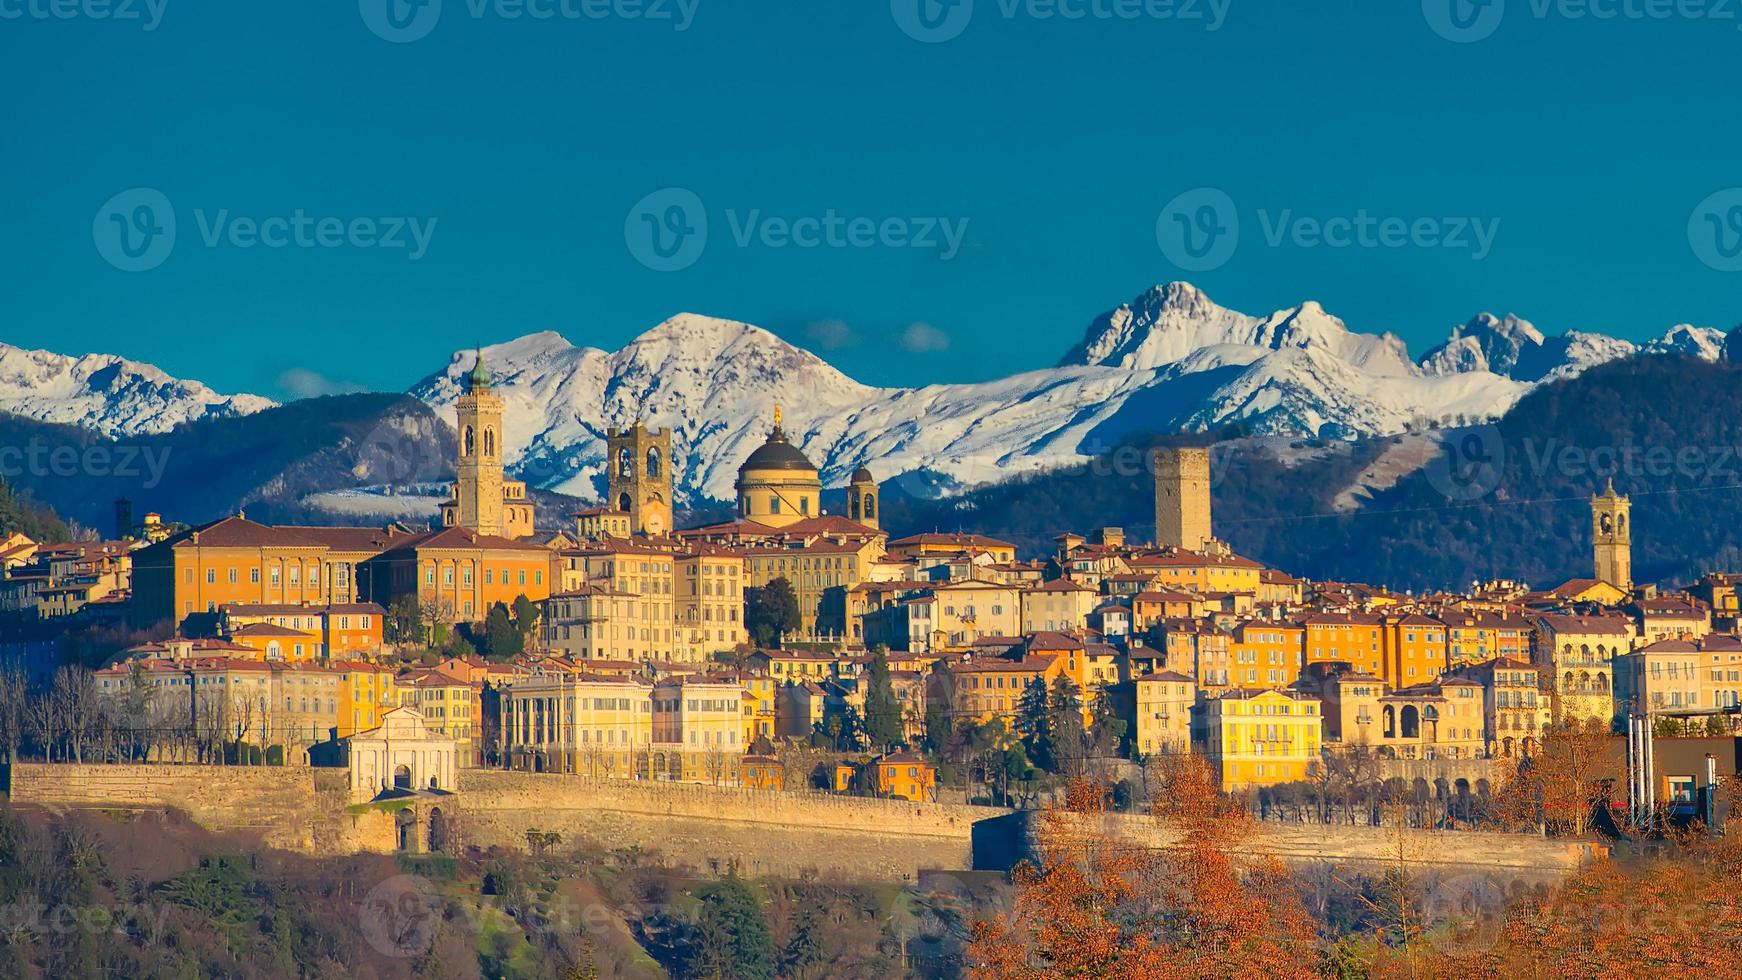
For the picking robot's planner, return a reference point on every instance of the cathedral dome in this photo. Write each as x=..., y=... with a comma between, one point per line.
x=777, y=454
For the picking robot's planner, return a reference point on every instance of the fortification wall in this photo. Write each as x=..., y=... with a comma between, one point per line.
x=290, y=807
x=786, y=834
x=710, y=828
x=1517, y=856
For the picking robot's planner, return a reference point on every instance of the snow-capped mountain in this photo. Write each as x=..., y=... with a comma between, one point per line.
x=1706, y=343
x=1170, y=358
x=109, y=394
x=1516, y=349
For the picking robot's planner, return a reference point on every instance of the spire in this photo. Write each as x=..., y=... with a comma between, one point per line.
x=480, y=376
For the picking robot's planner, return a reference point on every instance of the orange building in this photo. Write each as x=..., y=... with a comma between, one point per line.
x=237, y=561
x=347, y=629
x=1415, y=650
x=906, y=776
x=1266, y=654
x=462, y=573
x=1353, y=638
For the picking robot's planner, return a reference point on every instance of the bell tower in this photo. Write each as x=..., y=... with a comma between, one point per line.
x=1612, y=538
x=478, y=494
x=862, y=498
x=638, y=481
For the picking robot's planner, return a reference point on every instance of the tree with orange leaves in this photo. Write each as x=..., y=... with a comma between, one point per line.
x=1095, y=906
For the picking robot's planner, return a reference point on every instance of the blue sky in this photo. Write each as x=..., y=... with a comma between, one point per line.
x=1053, y=145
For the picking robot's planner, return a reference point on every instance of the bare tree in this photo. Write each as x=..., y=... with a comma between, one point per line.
x=75, y=697
x=211, y=724
x=42, y=717
x=14, y=692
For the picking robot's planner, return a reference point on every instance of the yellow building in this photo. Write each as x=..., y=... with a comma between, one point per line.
x=934, y=545
x=980, y=689
x=968, y=611
x=586, y=724
x=1060, y=605
x=1262, y=738
x=1164, y=712
x=1580, y=651
x=450, y=707
x=1214, y=572
x=709, y=602
x=366, y=692
x=698, y=728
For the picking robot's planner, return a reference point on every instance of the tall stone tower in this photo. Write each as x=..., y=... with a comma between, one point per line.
x=862, y=498
x=478, y=496
x=638, y=463
x=1182, y=498
x=1611, y=538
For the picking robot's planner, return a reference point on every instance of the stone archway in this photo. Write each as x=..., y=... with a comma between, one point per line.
x=405, y=829
x=402, y=777
x=438, y=831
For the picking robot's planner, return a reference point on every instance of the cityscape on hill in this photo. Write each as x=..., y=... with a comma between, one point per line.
x=634, y=489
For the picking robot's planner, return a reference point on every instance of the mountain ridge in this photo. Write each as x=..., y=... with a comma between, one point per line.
x=1170, y=358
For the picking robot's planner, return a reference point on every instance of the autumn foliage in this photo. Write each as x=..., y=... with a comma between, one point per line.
x=1094, y=905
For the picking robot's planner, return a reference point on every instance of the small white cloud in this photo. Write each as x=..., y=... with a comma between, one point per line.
x=830, y=335
x=920, y=338
x=304, y=383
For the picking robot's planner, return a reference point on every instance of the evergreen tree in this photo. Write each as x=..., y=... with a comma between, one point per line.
x=404, y=624
x=882, y=710
x=1034, y=724
x=19, y=513
x=501, y=639
x=1064, y=711
x=732, y=938
x=1106, y=728
x=770, y=611
x=806, y=947
x=526, y=615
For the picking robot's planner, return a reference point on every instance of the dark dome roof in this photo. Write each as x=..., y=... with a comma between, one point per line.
x=863, y=475
x=777, y=454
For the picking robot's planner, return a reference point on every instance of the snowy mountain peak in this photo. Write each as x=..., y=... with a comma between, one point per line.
x=109, y=394
x=1706, y=343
